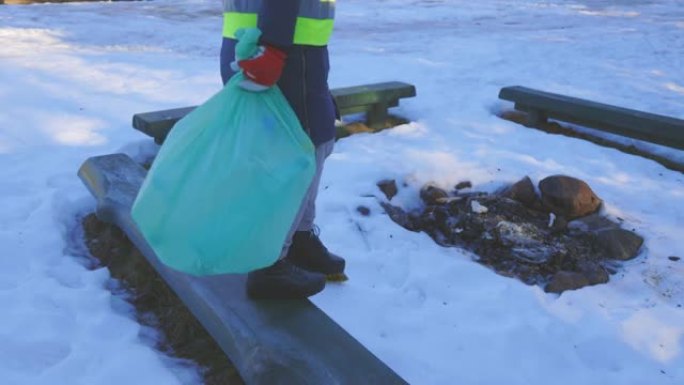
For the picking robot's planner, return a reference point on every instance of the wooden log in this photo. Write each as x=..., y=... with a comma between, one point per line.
x=540, y=105
x=270, y=342
x=373, y=99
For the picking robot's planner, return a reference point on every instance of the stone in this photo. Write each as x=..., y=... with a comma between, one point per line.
x=593, y=222
x=431, y=194
x=568, y=196
x=388, y=187
x=566, y=280
x=464, y=185
x=398, y=215
x=619, y=243
x=363, y=210
x=522, y=191
x=673, y=258
x=595, y=274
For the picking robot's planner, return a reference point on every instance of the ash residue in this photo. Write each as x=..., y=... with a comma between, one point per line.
x=555, y=239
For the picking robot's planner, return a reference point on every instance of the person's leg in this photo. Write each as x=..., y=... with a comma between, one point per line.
x=307, y=210
x=303, y=247
x=285, y=279
x=304, y=85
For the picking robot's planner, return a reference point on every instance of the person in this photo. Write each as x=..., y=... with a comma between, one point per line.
x=294, y=56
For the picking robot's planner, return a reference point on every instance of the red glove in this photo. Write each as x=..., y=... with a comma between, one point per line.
x=265, y=67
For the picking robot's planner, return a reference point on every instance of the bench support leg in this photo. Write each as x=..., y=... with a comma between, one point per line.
x=535, y=118
x=377, y=115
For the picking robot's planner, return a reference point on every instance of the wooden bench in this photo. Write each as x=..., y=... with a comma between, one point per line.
x=540, y=106
x=269, y=342
x=372, y=99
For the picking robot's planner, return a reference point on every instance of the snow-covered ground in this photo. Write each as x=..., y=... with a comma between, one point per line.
x=72, y=75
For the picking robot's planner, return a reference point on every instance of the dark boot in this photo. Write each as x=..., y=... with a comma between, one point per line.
x=283, y=280
x=308, y=252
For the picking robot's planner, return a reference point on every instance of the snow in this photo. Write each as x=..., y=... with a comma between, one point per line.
x=72, y=75
x=477, y=207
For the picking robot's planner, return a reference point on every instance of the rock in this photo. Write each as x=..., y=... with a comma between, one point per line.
x=522, y=191
x=568, y=196
x=566, y=280
x=595, y=274
x=673, y=258
x=388, y=187
x=431, y=194
x=593, y=222
x=398, y=215
x=464, y=185
x=618, y=243
x=363, y=210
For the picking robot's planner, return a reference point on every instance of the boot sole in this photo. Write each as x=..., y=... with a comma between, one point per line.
x=337, y=277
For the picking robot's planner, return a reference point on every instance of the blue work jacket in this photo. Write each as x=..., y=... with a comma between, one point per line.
x=304, y=81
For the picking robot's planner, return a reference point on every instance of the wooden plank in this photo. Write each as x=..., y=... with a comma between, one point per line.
x=269, y=342
x=364, y=108
x=350, y=100
x=659, y=129
x=157, y=124
x=372, y=93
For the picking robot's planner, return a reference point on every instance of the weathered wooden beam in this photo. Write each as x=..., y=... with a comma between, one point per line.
x=157, y=124
x=369, y=94
x=540, y=105
x=269, y=342
x=373, y=99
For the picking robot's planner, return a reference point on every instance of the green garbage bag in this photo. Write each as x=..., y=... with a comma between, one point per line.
x=228, y=181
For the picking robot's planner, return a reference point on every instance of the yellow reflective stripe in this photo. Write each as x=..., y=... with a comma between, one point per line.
x=313, y=31
x=307, y=31
x=232, y=21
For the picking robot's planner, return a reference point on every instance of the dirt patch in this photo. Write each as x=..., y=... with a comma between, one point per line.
x=357, y=124
x=528, y=240
x=156, y=304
